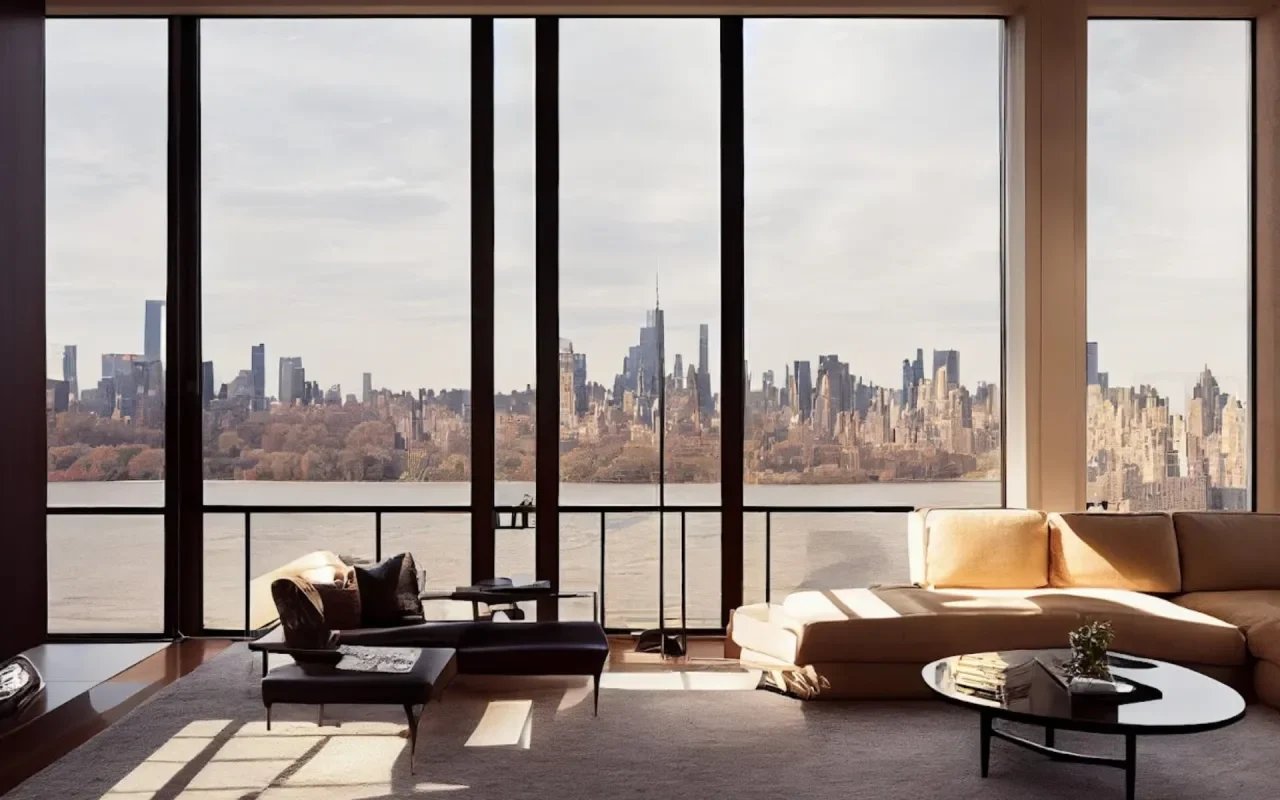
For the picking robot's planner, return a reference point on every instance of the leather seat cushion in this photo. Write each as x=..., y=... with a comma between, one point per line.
x=314, y=685
x=533, y=648
x=502, y=648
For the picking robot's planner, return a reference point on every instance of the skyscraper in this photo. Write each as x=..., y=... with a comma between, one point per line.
x=951, y=360
x=804, y=390
x=151, y=335
x=258, y=371
x=705, y=401
x=568, y=397
x=677, y=372
x=290, y=390
x=69, y=372
x=1091, y=363
x=703, y=336
x=206, y=384
x=367, y=397
x=580, y=383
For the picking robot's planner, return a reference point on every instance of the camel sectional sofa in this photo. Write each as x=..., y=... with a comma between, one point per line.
x=1198, y=589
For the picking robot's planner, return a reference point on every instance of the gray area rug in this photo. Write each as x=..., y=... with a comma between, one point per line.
x=204, y=739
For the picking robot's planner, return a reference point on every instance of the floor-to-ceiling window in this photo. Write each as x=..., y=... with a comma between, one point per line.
x=873, y=294
x=336, y=298
x=336, y=263
x=639, y=306
x=106, y=123
x=514, y=353
x=1167, y=358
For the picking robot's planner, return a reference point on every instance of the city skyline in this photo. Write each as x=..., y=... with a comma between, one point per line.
x=293, y=379
x=345, y=203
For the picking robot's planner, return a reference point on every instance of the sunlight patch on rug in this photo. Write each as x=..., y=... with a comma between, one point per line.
x=506, y=723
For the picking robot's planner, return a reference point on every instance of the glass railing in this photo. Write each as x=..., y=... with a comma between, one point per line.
x=608, y=553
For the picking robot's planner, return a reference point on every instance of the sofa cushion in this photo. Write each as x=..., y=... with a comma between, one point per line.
x=991, y=548
x=1256, y=612
x=302, y=618
x=914, y=625
x=340, y=603
x=1114, y=551
x=1266, y=683
x=388, y=591
x=1226, y=551
x=765, y=629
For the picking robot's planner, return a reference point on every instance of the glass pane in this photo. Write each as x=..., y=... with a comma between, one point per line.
x=106, y=160
x=336, y=263
x=873, y=261
x=224, y=577
x=514, y=355
x=631, y=567
x=441, y=548
x=1168, y=351
x=85, y=595
x=822, y=551
x=278, y=539
x=639, y=286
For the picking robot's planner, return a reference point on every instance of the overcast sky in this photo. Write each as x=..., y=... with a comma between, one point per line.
x=336, y=203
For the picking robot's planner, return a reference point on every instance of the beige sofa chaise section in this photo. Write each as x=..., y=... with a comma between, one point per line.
x=1231, y=570
x=997, y=580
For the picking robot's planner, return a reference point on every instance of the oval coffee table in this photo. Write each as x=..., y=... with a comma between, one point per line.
x=1183, y=701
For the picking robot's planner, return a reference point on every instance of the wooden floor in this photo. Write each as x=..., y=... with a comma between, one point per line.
x=90, y=686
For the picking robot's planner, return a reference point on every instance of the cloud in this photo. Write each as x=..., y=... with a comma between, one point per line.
x=336, y=192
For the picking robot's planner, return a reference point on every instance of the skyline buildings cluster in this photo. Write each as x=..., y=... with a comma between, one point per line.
x=822, y=423
x=1142, y=456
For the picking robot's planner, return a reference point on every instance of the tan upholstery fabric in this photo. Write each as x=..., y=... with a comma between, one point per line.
x=1114, y=551
x=1266, y=683
x=1227, y=551
x=987, y=548
x=764, y=628
x=903, y=624
x=1256, y=612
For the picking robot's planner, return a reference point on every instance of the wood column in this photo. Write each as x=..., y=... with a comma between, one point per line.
x=483, y=466
x=23, y=530
x=1266, y=252
x=1045, y=293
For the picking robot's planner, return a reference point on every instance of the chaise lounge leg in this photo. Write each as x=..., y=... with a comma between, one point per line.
x=268, y=716
x=595, y=681
x=320, y=717
x=413, y=732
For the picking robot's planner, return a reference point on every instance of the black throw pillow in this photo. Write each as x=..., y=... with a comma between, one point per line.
x=302, y=617
x=388, y=591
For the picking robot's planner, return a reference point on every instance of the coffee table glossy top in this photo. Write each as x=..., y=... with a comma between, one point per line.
x=1188, y=701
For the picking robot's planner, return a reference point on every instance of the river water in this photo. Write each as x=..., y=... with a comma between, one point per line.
x=106, y=573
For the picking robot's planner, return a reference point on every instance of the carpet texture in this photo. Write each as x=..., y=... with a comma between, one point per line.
x=204, y=739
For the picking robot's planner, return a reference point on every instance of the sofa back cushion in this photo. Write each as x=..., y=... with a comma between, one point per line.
x=984, y=548
x=1138, y=552
x=1228, y=551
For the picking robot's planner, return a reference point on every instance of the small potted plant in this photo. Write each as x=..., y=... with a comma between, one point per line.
x=1088, y=671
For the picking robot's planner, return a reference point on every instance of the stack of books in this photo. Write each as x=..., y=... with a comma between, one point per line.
x=983, y=675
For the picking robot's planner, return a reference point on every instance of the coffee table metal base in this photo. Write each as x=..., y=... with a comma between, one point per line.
x=1129, y=763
